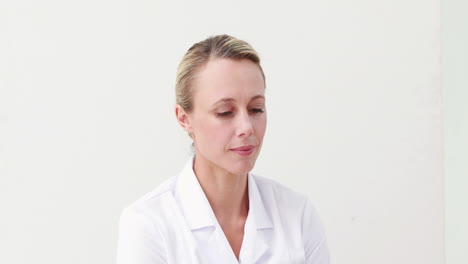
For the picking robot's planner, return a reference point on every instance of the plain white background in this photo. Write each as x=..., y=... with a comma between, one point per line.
x=455, y=96
x=354, y=105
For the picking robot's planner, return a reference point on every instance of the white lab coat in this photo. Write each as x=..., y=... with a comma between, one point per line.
x=175, y=224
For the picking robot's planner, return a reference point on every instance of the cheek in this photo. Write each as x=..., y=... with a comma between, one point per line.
x=260, y=127
x=213, y=131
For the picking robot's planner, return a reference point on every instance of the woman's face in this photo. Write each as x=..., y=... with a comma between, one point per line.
x=229, y=118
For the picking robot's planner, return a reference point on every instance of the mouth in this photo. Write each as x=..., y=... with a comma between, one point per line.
x=244, y=150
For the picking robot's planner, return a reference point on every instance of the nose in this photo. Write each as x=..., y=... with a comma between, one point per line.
x=245, y=127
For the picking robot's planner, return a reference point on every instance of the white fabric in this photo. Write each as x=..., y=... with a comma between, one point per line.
x=175, y=224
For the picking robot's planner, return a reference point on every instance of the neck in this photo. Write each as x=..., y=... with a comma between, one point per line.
x=226, y=192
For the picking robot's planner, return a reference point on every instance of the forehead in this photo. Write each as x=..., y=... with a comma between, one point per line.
x=228, y=78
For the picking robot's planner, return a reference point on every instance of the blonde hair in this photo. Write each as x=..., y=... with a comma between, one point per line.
x=220, y=46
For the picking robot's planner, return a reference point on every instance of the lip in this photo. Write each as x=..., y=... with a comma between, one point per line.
x=244, y=150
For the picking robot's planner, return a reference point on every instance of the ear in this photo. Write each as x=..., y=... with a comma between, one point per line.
x=183, y=119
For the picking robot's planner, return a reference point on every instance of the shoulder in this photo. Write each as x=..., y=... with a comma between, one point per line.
x=298, y=216
x=283, y=202
x=152, y=201
x=140, y=239
x=294, y=207
x=282, y=194
x=144, y=214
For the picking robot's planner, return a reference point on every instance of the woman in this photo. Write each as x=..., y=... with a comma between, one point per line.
x=215, y=210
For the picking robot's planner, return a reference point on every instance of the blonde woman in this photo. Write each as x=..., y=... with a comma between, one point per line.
x=215, y=210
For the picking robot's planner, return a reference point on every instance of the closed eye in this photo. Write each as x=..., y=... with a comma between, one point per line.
x=225, y=114
x=256, y=110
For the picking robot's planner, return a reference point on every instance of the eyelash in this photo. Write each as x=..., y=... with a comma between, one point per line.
x=252, y=110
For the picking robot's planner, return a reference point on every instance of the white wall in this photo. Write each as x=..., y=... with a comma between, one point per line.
x=87, y=126
x=455, y=87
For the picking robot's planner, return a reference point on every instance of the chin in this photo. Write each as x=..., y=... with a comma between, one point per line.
x=242, y=167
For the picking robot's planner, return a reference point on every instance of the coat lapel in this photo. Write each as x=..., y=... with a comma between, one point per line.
x=259, y=227
x=211, y=245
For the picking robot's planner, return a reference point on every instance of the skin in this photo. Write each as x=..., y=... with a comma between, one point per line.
x=228, y=112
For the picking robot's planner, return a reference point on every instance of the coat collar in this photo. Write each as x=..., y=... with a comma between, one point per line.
x=197, y=210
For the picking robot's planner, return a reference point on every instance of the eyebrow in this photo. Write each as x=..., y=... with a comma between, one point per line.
x=225, y=100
